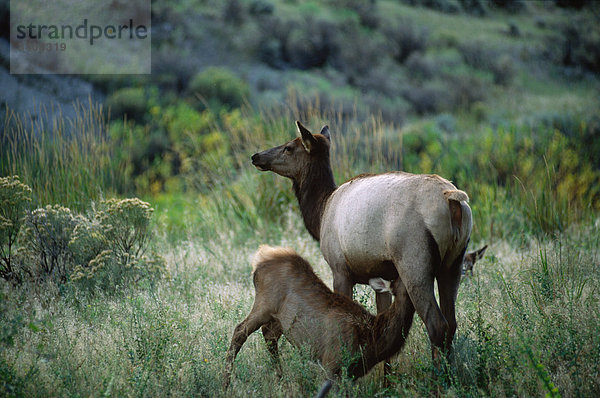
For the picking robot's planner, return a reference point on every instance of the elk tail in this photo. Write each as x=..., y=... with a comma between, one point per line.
x=454, y=198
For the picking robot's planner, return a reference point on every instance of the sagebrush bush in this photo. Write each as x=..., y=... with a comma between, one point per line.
x=111, y=247
x=512, y=6
x=46, y=238
x=577, y=43
x=106, y=249
x=311, y=44
x=14, y=200
x=130, y=102
x=220, y=85
x=126, y=224
x=366, y=11
x=405, y=38
x=499, y=63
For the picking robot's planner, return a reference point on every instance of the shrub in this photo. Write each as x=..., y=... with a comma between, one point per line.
x=466, y=90
x=220, y=85
x=105, y=250
x=448, y=6
x=428, y=98
x=474, y=7
x=366, y=11
x=311, y=45
x=581, y=44
x=126, y=225
x=88, y=240
x=261, y=7
x=129, y=102
x=359, y=52
x=310, y=42
x=513, y=6
x=233, y=12
x=420, y=67
x=405, y=38
x=501, y=65
x=110, y=248
x=14, y=200
x=46, y=239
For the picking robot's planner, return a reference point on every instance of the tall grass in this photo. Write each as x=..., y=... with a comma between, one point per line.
x=525, y=324
x=521, y=181
x=64, y=160
x=526, y=328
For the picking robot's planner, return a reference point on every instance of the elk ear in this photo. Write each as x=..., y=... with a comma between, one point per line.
x=380, y=285
x=325, y=132
x=479, y=253
x=308, y=141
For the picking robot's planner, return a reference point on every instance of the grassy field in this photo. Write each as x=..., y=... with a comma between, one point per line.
x=106, y=297
x=527, y=327
x=527, y=319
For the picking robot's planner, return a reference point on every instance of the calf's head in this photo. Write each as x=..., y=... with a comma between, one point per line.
x=293, y=158
x=471, y=258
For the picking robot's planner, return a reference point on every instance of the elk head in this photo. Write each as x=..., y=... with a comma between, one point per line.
x=293, y=158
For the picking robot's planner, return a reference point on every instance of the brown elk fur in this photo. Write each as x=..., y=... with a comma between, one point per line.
x=291, y=300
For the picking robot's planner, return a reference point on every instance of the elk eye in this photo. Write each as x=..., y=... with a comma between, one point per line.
x=287, y=149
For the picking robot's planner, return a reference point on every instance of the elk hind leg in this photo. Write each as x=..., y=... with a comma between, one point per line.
x=240, y=334
x=272, y=331
x=448, y=283
x=416, y=267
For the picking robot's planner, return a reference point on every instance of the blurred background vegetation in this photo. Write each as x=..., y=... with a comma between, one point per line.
x=489, y=93
x=500, y=96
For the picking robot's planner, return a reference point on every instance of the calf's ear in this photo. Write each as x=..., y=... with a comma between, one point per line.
x=480, y=253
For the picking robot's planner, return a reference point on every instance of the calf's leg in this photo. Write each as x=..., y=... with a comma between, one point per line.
x=272, y=331
x=253, y=321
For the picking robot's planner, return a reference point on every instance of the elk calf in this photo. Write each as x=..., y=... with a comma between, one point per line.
x=291, y=300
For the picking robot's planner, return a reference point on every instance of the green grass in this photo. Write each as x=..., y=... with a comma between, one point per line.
x=66, y=161
x=524, y=325
x=528, y=324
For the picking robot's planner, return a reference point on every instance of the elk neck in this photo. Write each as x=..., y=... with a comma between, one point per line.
x=389, y=333
x=312, y=190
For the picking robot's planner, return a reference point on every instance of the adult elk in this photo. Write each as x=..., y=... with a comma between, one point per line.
x=291, y=300
x=393, y=225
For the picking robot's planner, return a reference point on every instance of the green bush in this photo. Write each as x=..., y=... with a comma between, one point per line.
x=111, y=248
x=405, y=38
x=106, y=250
x=448, y=6
x=14, y=200
x=130, y=102
x=126, y=225
x=46, y=239
x=220, y=85
x=512, y=6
